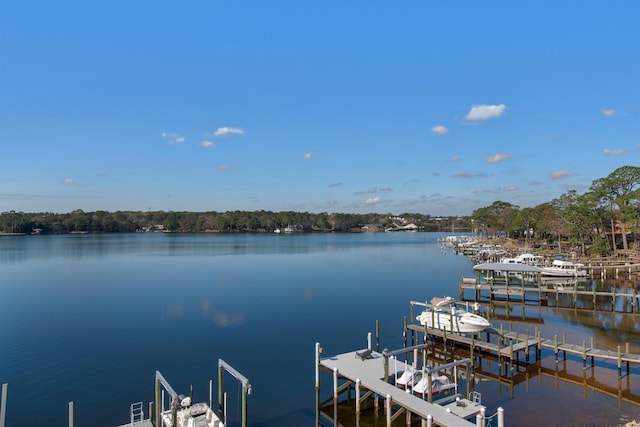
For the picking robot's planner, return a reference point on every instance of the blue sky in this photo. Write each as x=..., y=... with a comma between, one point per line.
x=433, y=107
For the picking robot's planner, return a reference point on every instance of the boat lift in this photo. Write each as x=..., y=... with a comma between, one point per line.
x=175, y=399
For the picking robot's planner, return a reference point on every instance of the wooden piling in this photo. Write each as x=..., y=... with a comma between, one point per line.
x=3, y=404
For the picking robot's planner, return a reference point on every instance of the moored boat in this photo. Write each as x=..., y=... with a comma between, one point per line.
x=439, y=384
x=562, y=268
x=449, y=314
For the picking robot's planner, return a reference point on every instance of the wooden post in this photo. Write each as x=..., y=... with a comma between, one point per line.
x=357, y=398
x=404, y=331
x=221, y=407
x=619, y=363
x=157, y=421
x=555, y=346
x=388, y=409
x=3, y=404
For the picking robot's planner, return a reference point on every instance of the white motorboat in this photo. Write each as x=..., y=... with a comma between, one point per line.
x=562, y=268
x=450, y=315
x=191, y=415
x=408, y=378
x=439, y=384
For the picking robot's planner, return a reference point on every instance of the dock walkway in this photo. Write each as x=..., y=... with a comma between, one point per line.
x=370, y=373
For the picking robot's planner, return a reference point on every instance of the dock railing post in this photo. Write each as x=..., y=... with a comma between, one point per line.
x=244, y=405
x=70, y=414
x=156, y=420
x=369, y=341
x=377, y=335
x=221, y=407
x=429, y=420
x=388, y=409
x=3, y=404
x=335, y=396
x=357, y=398
x=500, y=417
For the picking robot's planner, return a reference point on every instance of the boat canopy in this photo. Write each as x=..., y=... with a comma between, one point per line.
x=515, y=267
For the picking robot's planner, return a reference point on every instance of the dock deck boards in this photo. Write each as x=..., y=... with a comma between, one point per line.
x=370, y=372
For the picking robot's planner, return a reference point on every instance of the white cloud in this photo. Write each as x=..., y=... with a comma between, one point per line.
x=485, y=112
x=223, y=167
x=372, y=200
x=498, y=158
x=511, y=188
x=206, y=144
x=172, y=137
x=559, y=174
x=462, y=175
x=608, y=112
x=68, y=181
x=440, y=130
x=308, y=156
x=614, y=152
x=225, y=130
x=454, y=159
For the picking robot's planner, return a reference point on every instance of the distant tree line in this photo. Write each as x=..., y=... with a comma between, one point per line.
x=79, y=221
x=601, y=221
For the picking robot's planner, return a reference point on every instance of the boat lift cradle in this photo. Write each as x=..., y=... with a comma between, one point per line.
x=175, y=398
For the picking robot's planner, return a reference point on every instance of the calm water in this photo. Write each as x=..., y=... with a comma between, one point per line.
x=89, y=318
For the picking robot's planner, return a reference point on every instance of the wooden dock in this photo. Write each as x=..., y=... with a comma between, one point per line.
x=506, y=290
x=510, y=345
x=366, y=375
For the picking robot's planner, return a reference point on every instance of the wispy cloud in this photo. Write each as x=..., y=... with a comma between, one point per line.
x=371, y=190
x=511, y=188
x=467, y=175
x=172, y=137
x=335, y=184
x=440, y=130
x=485, y=112
x=498, y=158
x=559, y=174
x=534, y=183
x=68, y=181
x=462, y=175
x=206, y=144
x=226, y=130
x=386, y=189
x=614, y=152
x=372, y=200
x=454, y=159
x=308, y=156
x=608, y=112
x=223, y=167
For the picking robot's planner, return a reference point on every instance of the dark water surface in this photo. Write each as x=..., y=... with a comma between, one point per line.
x=89, y=318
